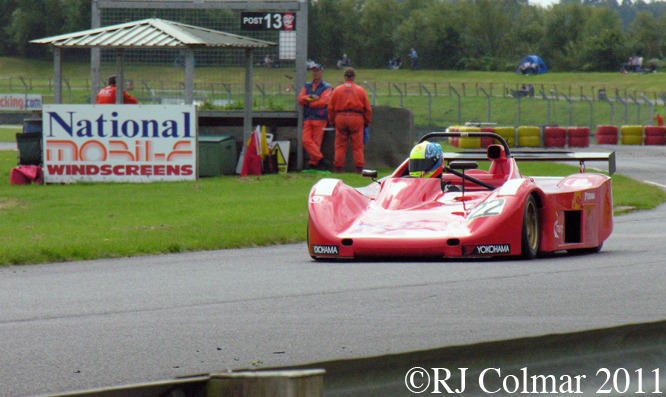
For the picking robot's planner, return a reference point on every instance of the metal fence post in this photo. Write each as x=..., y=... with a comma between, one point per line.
x=611, y=109
x=547, y=106
x=488, y=99
x=638, y=110
x=429, y=104
x=399, y=92
x=263, y=96
x=69, y=90
x=591, y=110
x=645, y=98
x=228, y=90
x=568, y=100
x=374, y=93
x=26, y=90
x=623, y=102
x=458, y=95
x=518, y=109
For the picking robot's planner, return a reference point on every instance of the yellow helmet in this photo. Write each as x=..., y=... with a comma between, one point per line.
x=425, y=160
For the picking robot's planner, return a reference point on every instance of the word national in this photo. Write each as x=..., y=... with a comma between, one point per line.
x=80, y=127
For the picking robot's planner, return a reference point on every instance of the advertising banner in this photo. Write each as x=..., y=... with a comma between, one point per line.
x=119, y=143
x=20, y=102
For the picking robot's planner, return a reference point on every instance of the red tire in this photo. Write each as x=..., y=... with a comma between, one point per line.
x=579, y=141
x=555, y=142
x=554, y=132
x=606, y=130
x=655, y=130
x=655, y=140
x=578, y=132
x=485, y=142
x=607, y=139
x=454, y=141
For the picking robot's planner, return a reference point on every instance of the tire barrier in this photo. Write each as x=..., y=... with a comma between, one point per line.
x=485, y=142
x=631, y=134
x=554, y=137
x=508, y=133
x=655, y=140
x=454, y=141
x=655, y=135
x=578, y=136
x=632, y=140
x=469, y=143
x=529, y=136
x=606, y=135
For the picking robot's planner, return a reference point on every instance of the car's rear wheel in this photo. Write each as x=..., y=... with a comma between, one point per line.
x=529, y=243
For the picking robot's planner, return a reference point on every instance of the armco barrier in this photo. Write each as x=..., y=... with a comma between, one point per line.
x=581, y=363
x=259, y=383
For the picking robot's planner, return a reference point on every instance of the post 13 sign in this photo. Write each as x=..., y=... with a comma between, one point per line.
x=119, y=143
x=268, y=21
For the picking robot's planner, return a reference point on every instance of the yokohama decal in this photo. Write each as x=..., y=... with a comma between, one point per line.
x=492, y=249
x=326, y=249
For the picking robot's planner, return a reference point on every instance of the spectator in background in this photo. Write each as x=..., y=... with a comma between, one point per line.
x=415, y=59
x=395, y=63
x=314, y=98
x=350, y=112
x=659, y=119
x=344, y=62
x=108, y=94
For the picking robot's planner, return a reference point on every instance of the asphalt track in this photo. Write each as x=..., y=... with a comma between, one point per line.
x=82, y=325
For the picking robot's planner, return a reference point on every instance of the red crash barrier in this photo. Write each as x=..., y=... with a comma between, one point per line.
x=655, y=135
x=554, y=137
x=578, y=136
x=607, y=135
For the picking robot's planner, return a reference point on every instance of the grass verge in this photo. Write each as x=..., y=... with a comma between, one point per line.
x=84, y=221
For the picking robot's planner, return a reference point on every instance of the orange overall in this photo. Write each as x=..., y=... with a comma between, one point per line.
x=349, y=110
x=107, y=95
x=315, y=121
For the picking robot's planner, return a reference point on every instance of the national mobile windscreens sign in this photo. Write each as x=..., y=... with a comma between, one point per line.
x=119, y=143
x=268, y=21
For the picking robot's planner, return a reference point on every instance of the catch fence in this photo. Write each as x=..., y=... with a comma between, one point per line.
x=433, y=103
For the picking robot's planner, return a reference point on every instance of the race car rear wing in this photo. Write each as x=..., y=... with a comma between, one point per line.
x=542, y=155
x=520, y=155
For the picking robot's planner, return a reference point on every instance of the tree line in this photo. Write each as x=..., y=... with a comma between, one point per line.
x=493, y=35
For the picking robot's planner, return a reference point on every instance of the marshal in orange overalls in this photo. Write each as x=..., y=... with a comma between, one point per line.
x=349, y=110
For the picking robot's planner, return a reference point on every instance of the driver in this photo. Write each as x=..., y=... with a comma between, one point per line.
x=425, y=160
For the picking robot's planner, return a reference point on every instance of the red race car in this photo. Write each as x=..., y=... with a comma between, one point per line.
x=465, y=212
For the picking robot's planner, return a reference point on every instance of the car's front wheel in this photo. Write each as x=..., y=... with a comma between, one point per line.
x=529, y=243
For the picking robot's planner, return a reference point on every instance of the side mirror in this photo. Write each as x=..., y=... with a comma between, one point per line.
x=370, y=174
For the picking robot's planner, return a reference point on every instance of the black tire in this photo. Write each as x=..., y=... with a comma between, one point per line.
x=529, y=242
x=585, y=251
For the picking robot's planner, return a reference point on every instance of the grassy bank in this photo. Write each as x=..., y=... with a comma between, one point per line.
x=85, y=221
x=430, y=94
